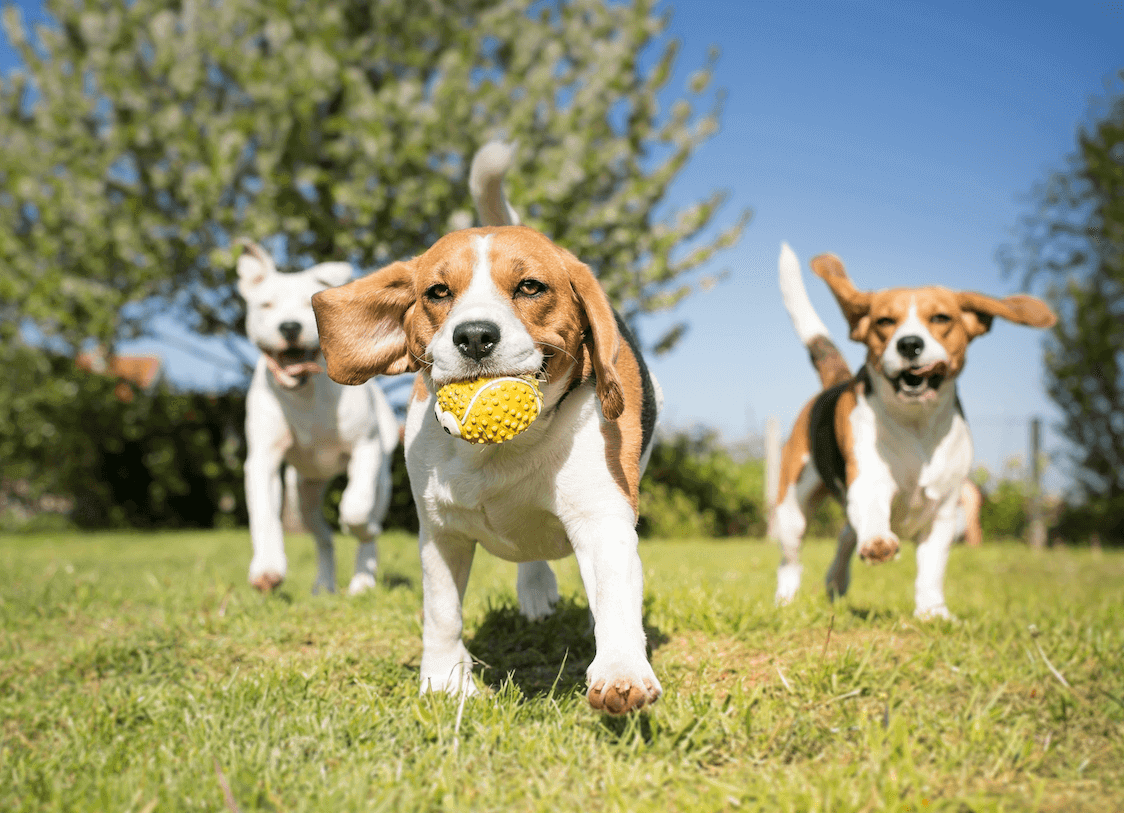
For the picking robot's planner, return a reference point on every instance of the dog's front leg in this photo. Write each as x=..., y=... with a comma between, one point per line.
x=932, y=556
x=446, y=561
x=620, y=678
x=869, y=499
x=263, y=503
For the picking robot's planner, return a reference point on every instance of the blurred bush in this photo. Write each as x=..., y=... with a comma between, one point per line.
x=72, y=447
x=75, y=454
x=696, y=487
x=1003, y=513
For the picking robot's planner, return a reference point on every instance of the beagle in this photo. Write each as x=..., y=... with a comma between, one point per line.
x=891, y=442
x=504, y=300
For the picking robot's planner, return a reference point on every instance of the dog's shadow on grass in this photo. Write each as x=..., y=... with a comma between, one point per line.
x=540, y=656
x=872, y=613
x=392, y=581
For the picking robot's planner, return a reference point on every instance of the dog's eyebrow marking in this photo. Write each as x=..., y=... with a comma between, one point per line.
x=519, y=266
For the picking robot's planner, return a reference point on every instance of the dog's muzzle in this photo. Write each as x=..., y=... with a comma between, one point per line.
x=292, y=366
x=920, y=383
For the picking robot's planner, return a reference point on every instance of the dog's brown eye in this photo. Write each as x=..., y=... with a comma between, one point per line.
x=435, y=293
x=940, y=318
x=885, y=321
x=530, y=287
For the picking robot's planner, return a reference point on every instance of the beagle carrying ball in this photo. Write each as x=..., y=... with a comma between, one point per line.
x=506, y=303
x=890, y=442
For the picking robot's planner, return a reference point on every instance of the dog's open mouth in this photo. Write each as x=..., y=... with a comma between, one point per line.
x=291, y=366
x=293, y=355
x=920, y=383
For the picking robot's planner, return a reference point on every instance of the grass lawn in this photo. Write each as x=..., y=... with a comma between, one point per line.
x=140, y=672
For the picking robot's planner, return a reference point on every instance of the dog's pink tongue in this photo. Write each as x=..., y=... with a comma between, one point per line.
x=930, y=369
x=290, y=375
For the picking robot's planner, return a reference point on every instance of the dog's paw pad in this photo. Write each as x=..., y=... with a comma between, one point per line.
x=622, y=696
x=267, y=582
x=879, y=549
x=622, y=690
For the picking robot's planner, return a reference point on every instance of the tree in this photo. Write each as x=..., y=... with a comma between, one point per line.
x=1075, y=240
x=141, y=138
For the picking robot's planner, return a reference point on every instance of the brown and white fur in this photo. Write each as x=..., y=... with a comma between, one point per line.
x=506, y=301
x=891, y=442
x=298, y=416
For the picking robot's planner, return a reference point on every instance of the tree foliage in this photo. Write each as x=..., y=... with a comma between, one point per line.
x=1075, y=241
x=141, y=138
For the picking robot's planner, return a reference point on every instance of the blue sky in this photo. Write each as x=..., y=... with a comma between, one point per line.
x=904, y=137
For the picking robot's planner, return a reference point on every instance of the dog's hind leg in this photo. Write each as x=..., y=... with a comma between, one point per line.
x=363, y=508
x=787, y=528
x=838, y=577
x=537, y=589
x=311, y=494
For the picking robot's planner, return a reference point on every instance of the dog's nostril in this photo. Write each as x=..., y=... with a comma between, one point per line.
x=476, y=339
x=290, y=330
x=910, y=347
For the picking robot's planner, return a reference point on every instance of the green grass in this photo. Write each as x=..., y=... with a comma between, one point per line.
x=139, y=672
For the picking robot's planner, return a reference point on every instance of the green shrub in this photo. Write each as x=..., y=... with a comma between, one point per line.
x=694, y=487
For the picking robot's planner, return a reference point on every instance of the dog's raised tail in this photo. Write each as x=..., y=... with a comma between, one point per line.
x=485, y=182
x=811, y=330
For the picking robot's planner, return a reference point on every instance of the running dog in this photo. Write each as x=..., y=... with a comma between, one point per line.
x=891, y=442
x=296, y=415
x=504, y=300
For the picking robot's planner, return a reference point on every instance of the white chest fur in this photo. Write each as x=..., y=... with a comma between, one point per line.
x=517, y=498
x=918, y=464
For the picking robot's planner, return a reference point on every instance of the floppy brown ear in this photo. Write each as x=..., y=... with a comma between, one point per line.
x=606, y=338
x=855, y=304
x=361, y=325
x=978, y=310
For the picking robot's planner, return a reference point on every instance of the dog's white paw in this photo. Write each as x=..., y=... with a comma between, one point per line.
x=620, y=685
x=938, y=613
x=788, y=582
x=879, y=548
x=537, y=589
x=451, y=674
x=361, y=583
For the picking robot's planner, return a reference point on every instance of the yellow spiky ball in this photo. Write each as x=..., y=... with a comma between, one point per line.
x=488, y=410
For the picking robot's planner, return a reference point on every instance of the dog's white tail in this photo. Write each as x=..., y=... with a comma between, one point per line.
x=485, y=182
x=804, y=318
x=826, y=358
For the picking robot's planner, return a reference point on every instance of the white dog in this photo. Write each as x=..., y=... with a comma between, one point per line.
x=297, y=415
x=496, y=302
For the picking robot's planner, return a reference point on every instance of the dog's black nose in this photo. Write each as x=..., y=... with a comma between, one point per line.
x=290, y=330
x=476, y=339
x=910, y=347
